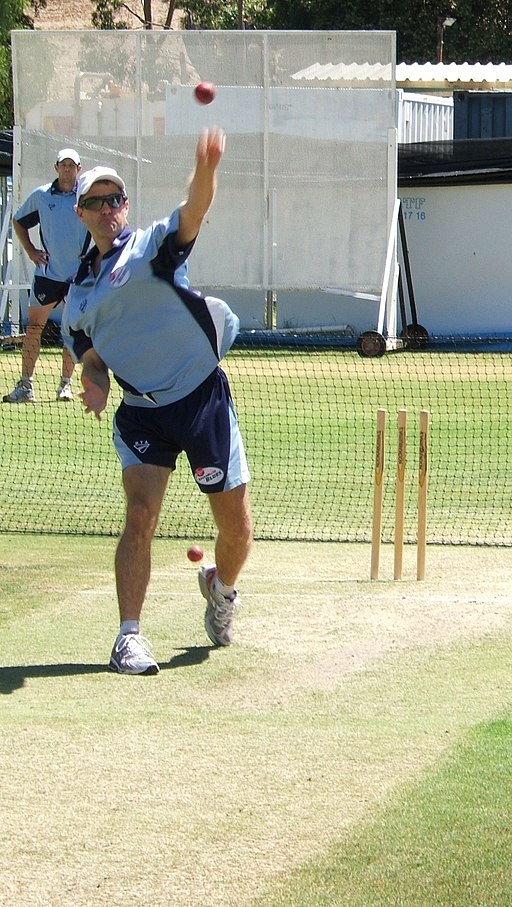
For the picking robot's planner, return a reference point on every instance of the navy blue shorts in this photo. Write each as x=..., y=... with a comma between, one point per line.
x=203, y=425
x=48, y=292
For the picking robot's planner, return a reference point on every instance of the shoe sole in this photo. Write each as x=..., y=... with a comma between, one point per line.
x=151, y=671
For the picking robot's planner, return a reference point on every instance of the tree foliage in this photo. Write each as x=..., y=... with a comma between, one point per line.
x=482, y=31
x=228, y=14
x=106, y=14
x=103, y=16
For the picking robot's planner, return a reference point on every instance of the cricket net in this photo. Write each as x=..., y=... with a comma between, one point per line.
x=307, y=194
x=307, y=406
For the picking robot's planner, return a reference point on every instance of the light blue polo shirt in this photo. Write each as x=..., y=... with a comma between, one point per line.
x=62, y=235
x=159, y=338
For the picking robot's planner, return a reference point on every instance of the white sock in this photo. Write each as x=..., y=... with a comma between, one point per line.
x=128, y=626
x=27, y=380
x=64, y=380
x=226, y=591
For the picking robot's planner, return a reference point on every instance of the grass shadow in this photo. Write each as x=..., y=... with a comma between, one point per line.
x=188, y=656
x=13, y=677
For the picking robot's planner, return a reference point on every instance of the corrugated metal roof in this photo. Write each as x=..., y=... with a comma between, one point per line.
x=408, y=75
x=345, y=72
x=454, y=74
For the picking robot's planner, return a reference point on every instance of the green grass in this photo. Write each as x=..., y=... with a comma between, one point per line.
x=448, y=843
x=353, y=750
x=308, y=420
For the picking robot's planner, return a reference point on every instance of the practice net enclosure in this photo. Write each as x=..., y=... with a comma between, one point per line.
x=308, y=180
x=307, y=192
x=306, y=200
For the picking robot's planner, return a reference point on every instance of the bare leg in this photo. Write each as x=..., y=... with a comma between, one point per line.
x=144, y=488
x=68, y=366
x=37, y=318
x=232, y=514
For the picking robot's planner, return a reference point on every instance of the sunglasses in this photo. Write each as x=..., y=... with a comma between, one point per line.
x=96, y=202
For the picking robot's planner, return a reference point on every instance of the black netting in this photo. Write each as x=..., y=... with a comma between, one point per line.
x=307, y=405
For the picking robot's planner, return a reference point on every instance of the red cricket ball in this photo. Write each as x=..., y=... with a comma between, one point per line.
x=205, y=92
x=195, y=553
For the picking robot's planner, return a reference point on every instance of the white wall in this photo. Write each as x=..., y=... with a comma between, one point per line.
x=461, y=262
x=308, y=308
x=461, y=257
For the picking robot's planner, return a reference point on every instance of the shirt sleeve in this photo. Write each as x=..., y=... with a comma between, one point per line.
x=27, y=214
x=28, y=220
x=171, y=262
x=77, y=341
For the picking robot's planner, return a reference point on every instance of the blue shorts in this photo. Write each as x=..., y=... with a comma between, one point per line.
x=203, y=425
x=48, y=292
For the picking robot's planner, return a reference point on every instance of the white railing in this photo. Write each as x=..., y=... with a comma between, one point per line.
x=11, y=286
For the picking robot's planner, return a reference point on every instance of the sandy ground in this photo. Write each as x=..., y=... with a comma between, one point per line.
x=76, y=14
x=202, y=786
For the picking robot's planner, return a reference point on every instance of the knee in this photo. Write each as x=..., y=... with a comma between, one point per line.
x=232, y=515
x=141, y=518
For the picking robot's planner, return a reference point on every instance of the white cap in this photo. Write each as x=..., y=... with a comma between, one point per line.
x=68, y=153
x=89, y=177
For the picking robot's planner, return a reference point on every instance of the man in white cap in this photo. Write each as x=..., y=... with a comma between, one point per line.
x=130, y=312
x=63, y=241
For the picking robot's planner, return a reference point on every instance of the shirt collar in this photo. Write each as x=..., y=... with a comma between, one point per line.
x=117, y=244
x=56, y=190
x=120, y=240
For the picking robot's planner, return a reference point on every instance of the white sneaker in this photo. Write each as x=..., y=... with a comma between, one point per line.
x=64, y=391
x=218, y=618
x=131, y=655
x=22, y=393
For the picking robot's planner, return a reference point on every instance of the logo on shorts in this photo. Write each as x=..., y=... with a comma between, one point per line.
x=208, y=475
x=120, y=277
x=141, y=446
